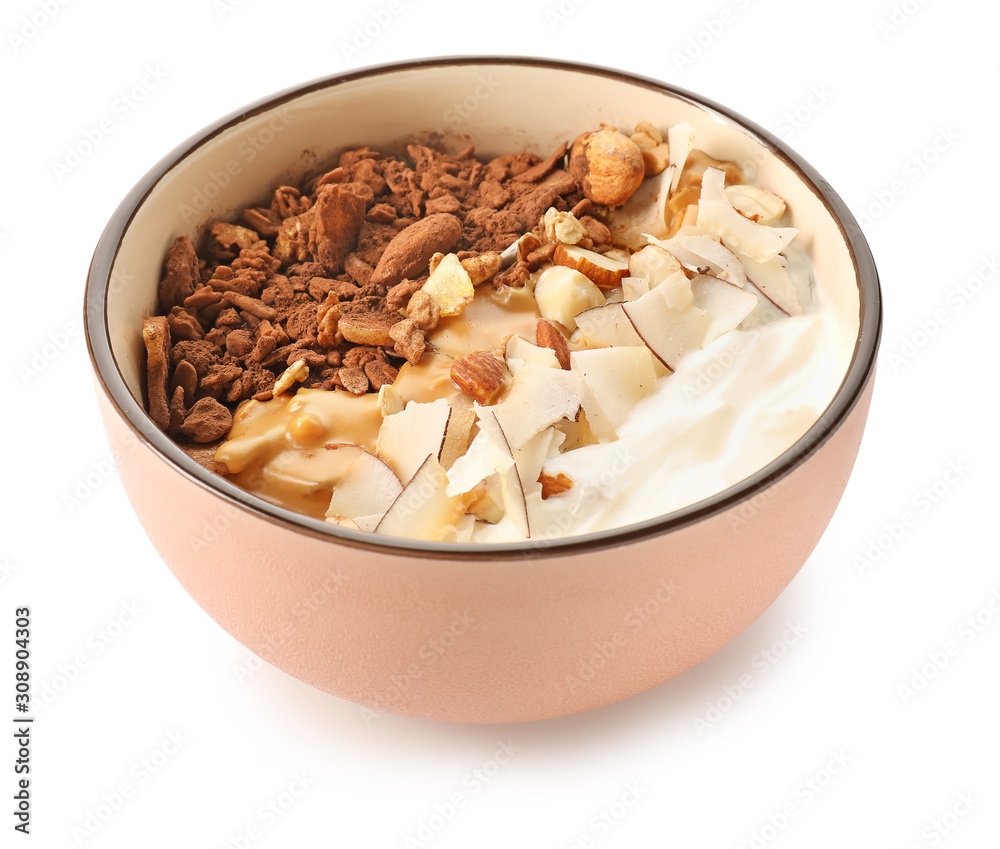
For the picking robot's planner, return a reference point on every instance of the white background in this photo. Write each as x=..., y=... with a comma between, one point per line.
x=797, y=734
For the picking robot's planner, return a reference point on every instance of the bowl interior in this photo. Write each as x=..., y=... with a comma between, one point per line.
x=500, y=106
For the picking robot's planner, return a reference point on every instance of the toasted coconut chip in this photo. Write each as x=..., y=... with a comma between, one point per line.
x=799, y=266
x=531, y=456
x=718, y=216
x=773, y=281
x=482, y=459
x=423, y=509
x=460, y=531
x=755, y=200
x=644, y=212
x=668, y=332
x=675, y=246
x=725, y=304
x=520, y=353
x=680, y=141
x=654, y=262
x=632, y=288
x=512, y=490
x=365, y=493
x=406, y=438
x=539, y=397
x=611, y=382
x=764, y=313
x=667, y=179
x=723, y=262
x=607, y=326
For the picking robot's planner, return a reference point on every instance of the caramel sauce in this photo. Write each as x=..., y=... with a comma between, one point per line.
x=486, y=323
x=278, y=450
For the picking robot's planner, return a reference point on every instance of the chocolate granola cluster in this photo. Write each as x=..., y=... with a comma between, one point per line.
x=329, y=274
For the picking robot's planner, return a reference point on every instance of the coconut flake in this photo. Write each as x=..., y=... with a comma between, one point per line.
x=538, y=397
x=717, y=215
x=482, y=459
x=773, y=281
x=723, y=262
x=680, y=143
x=755, y=200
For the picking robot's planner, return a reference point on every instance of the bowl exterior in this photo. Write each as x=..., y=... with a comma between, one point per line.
x=485, y=640
x=481, y=636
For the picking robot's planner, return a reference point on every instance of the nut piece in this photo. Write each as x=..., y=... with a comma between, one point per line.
x=411, y=248
x=409, y=340
x=254, y=306
x=598, y=231
x=563, y=293
x=232, y=236
x=547, y=335
x=329, y=335
x=390, y=401
x=526, y=244
x=605, y=270
x=479, y=375
x=646, y=135
x=380, y=374
x=292, y=241
x=180, y=273
x=553, y=485
x=483, y=267
x=515, y=276
x=562, y=227
x=399, y=295
x=354, y=380
x=608, y=166
x=424, y=311
x=655, y=153
x=365, y=329
x=450, y=286
x=295, y=373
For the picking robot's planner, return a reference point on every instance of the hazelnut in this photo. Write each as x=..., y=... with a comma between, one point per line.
x=563, y=293
x=608, y=165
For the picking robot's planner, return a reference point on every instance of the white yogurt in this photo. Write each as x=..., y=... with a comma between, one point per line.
x=727, y=411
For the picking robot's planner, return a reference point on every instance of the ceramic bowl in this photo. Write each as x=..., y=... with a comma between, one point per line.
x=462, y=632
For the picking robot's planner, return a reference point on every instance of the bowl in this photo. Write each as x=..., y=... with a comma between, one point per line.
x=476, y=633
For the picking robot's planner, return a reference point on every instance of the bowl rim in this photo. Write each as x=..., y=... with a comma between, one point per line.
x=847, y=396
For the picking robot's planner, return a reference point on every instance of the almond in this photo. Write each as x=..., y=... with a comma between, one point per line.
x=366, y=329
x=606, y=271
x=547, y=335
x=411, y=249
x=479, y=375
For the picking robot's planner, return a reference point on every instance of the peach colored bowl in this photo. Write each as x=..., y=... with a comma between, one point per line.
x=461, y=632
